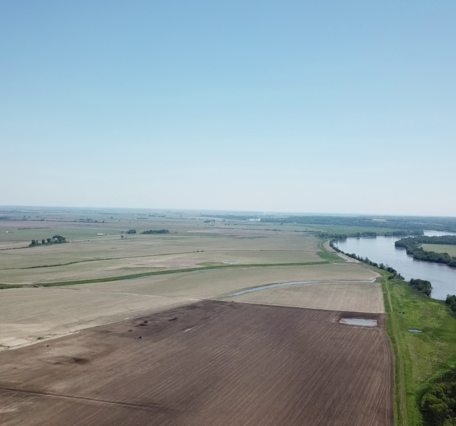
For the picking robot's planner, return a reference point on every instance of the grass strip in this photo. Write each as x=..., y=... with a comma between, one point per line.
x=327, y=255
x=94, y=260
x=419, y=358
x=165, y=272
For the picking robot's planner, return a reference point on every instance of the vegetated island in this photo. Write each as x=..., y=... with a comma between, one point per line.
x=413, y=247
x=56, y=239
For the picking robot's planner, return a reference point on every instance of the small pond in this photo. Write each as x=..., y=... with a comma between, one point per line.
x=359, y=321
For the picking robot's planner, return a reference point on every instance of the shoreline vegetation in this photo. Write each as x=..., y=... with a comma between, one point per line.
x=413, y=248
x=424, y=362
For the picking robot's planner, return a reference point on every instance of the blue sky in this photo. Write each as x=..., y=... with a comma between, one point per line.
x=335, y=107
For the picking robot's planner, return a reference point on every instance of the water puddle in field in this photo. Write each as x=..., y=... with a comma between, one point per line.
x=359, y=321
x=267, y=286
x=412, y=330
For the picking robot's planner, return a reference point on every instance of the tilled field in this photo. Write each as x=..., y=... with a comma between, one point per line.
x=342, y=296
x=212, y=363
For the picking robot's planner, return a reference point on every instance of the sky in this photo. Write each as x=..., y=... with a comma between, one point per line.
x=291, y=106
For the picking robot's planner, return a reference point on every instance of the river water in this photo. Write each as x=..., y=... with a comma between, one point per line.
x=382, y=250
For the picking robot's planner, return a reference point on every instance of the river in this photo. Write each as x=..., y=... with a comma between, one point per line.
x=382, y=250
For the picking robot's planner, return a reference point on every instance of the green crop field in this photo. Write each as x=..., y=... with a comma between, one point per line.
x=440, y=248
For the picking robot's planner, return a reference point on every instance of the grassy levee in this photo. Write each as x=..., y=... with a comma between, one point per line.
x=419, y=358
x=327, y=255
x=164, y=272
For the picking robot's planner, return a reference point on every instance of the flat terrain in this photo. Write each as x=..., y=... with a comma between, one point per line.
x=212, y=363
x=440, y=248
x=341, y=296
x=29, y=314
x=110, y=257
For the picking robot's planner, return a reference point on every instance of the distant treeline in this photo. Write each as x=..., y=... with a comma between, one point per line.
x=368, y=234
x=413, y=248
x=156, y=231
x=56, y=239
x=414, y=224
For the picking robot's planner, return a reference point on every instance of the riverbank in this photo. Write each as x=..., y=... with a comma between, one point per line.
x=382, y=250
x=419, y=358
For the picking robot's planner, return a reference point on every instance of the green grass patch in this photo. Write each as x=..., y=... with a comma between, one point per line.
x=167, y=272
x=418, y=357
x=8, y=286
x=328, y=255
x=440, y=248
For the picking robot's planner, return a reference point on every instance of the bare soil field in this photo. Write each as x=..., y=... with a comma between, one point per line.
x=94, y=259
x=338, y=296
x=211, y=363
x=214, y=283
x=27, y=314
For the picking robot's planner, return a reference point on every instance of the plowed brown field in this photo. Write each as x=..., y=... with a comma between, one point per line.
x=212, y=363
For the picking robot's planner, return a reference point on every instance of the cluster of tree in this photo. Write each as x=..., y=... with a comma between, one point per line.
x=392, y=271
x=438, y=404
x=156, y=231
x=421, y=286
x=444, y=239
x=56, y=239
x=402, y=233
x=341, y=237
x=131, y=231
x=413, y=248
x=367, y=234
x=451, y=302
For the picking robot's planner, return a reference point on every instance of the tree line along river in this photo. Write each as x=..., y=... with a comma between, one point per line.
x=382, y=250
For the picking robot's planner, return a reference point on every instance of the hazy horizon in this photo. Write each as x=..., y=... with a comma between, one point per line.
x=253, y=212
x=278, y=106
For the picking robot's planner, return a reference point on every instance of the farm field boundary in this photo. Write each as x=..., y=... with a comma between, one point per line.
x=164, y=272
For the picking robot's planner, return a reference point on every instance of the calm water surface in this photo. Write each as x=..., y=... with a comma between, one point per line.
x=359, y=321
x=382, y=250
